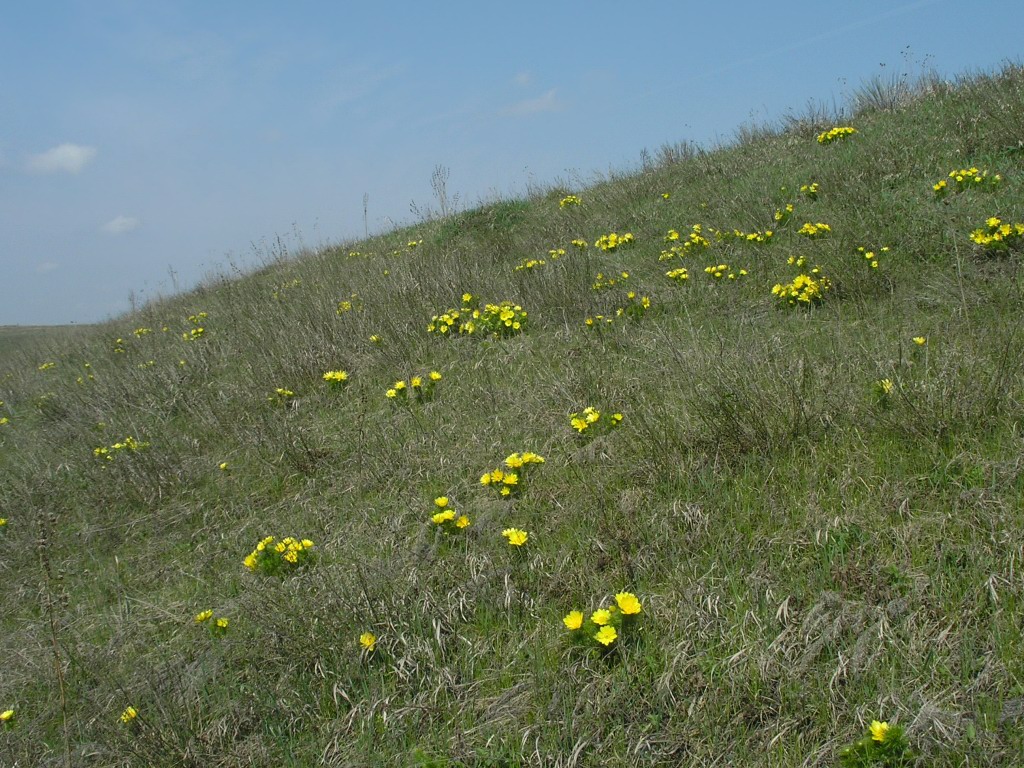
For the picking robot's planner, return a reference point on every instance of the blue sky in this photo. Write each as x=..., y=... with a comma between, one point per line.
x=139, y=139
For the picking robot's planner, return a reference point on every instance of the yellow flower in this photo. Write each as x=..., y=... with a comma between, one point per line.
x=368, y=641
x=462, y=522
x=444, y=517
x=128, y=715
x=628, y=603
x=203, y=616
x=574, y=620
x=435, y=376
x=606, y=635
x=920, y=340
x=441, y=502
x=399, y=385
x=222, y=623
x=291, y=556
x=250, y=561
x=511, y=478
x=879, y=730
x=391, y=393
x=416, y=382
x=886, y=386
x=6, y=716
x=515, y=536
x=307, y=544
x=336, y=377
x=223, y=466
x=601, y=616
x=3, y=522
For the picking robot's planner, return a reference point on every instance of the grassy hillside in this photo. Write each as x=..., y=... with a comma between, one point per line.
x=36, y=339
x=817, y=506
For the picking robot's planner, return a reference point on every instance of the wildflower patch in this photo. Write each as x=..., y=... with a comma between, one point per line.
x=279, y=558
x=492, y=320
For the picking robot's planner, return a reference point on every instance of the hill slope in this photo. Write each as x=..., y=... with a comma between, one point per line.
x=818, y=506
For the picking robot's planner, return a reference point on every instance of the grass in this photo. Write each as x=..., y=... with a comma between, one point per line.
x=811, y=553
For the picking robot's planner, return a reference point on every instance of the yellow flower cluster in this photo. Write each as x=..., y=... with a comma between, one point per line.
x=871, y=257
x=589, y=421
x=7, y=716
x=884, y=387
x=998, y=235
x=218, y=627
x=810, y=191
x=814, y=230
x=569, y=200
x=140, y=332
x=345, y=306
x=556, y=253
x=46, y=366
x=107, y=453
x=605, y=624
x=509, y=481
x=421, y=387
x=580, y=244
x=966, y=178
x=802, y=290
x=835, y=134
x=412, y=244
x=281, y=396
x=496, y=320
x=129, y=715
x=446, y=517
x=192, y=335
x=718, y=271
x=336, y=379
x=678, y=275
x=603, y=282
x=613, y=241
x=693, y=241
x=278, y=557
x=530, y=264
x=516, y=536
x=738, y=235
x=782, y=215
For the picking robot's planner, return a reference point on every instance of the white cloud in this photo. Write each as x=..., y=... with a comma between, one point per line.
x=545, y=103
x=69, y=158
x=120, y=225
x=46, y=266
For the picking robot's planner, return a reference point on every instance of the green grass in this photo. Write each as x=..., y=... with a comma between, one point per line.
x=811, y=554
x=38, y=338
